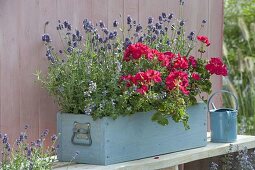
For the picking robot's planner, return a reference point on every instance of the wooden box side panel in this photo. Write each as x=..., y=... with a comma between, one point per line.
x=93, y=154
x=59, y=129
x=135, y=137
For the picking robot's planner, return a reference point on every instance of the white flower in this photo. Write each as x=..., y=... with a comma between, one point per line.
x=92, y=86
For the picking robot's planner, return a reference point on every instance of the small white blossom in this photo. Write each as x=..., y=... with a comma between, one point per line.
x=92, y=86
x=87, y=94
x=119, y=66
x=104, y=93
x=87, y=110
x=113, y=102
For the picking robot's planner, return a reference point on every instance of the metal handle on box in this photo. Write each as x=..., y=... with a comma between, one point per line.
x=81, y=134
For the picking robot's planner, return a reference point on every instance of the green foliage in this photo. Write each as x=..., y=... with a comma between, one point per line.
x=239, y=40
x=24, y=155
x=85, y=81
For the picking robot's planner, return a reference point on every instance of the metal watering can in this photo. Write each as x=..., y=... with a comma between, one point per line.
x=223, y=121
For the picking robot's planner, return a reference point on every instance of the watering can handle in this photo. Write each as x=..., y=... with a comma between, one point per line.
x=222, y=91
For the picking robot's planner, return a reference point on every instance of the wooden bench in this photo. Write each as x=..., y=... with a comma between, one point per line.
x=168, y=161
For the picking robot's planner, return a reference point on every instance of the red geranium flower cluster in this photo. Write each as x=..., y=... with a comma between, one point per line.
x=178, y=79
x=176, y=65
x=181, y=63
x=179, y=70
x=165, y=58
x=216, y=66
x=143, y=80
x=136, y=51
x=204, y=39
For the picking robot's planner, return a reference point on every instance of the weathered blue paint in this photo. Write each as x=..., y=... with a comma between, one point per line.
x=131, y=137
x=223, y=125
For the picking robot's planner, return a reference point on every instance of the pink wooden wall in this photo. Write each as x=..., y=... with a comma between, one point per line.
x=23, y=101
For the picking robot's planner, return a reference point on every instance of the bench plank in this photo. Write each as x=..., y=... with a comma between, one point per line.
x=173, y=159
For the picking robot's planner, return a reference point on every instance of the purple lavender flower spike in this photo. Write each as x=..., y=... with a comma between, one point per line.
x=111, y=36
x=46, y=38
x=182, y=23
x=160, y=18
x=26, y=126
x=54, y=137
x=129, y=20
x=150, y=20
x=101, y=24
x=163, y=15
x=29, y=152
x=5, y=139
x=115, y=23
x=170, y=17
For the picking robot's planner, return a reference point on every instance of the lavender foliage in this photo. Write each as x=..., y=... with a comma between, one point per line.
x=236, y=159
x=27, y=155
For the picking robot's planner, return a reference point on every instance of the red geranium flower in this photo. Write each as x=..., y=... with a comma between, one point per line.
x=129, y=79
x=151, y=54
x=193, y=61
x=195, y=76
x=135, y=51
x=153, y=75
x=126, y=78
x=216, y=66
x=143, y=89
x=181, y=62
x=204, y=39
x=163, y=59
x=169, y=55
x=178, y=79
x=140, y=77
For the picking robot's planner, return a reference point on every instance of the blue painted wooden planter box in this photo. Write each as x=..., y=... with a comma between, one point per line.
x=106, y=141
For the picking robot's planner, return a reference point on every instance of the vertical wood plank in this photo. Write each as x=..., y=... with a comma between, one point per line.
x=1, y=52
x=216, y=36
x=132, y=10
x=47, y=108
x=115, y=12
x=151, y=8
x=193, y=20
x=65, y=10
x=100, y=11
x=29, y=102
x=9, y=70
x=83, y=10
x=215, y=30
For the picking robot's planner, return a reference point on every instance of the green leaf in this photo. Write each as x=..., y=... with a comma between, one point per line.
x=159, y=118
